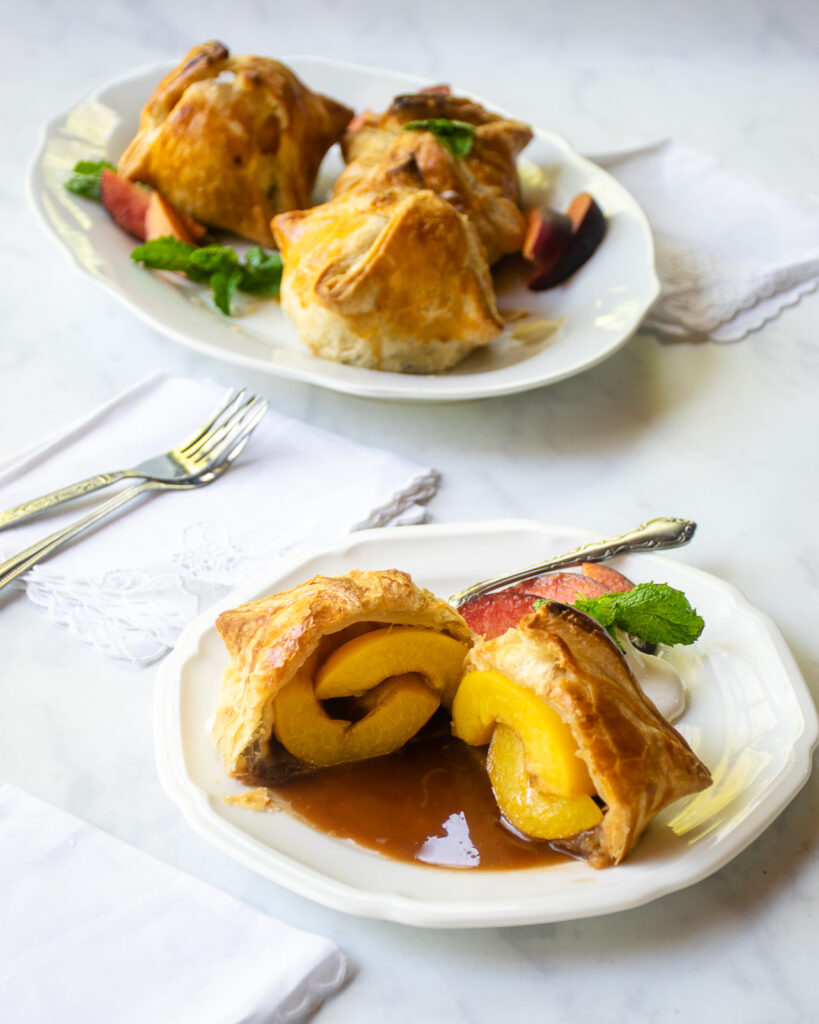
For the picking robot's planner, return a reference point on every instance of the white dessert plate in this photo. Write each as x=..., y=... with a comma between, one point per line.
x=600, y=306
x=749, y=716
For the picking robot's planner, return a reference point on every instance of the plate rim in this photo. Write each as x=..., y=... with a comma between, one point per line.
x=384, y=386
x=401, y=908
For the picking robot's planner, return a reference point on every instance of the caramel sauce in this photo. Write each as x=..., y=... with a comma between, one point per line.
x=430, y=803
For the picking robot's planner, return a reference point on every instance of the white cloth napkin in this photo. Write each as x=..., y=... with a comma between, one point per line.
x=94, y=932
x=132, y=585
x=732, y=250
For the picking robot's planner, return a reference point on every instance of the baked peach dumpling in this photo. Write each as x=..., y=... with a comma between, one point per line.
x=338, y=669
x=482, y=184
x=578, y=754
x=393, y=279
x=232, y=141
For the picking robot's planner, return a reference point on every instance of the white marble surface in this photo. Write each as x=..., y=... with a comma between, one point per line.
x=723, y=434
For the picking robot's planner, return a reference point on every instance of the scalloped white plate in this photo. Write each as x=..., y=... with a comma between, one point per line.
x=749, y=717
x=602, y=304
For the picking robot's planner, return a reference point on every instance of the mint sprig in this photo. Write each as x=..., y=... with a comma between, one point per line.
x=653, y=612
x=457, y=136
x=86, y=177
x=216, y=265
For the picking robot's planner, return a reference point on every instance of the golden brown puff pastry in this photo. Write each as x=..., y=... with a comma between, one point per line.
x=232, y=141
x=272, y=640
x=391, y=279
x=483, y=184
x=637, y=762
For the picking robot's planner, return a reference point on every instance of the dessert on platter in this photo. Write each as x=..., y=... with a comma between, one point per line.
x=232, y=141
x=365, y=705
x=395, y=271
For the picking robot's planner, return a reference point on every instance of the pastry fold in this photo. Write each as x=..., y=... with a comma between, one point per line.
x=232, y=141
x=392, y=279
x=637, y=762
x=284, y=638
x=483, y=185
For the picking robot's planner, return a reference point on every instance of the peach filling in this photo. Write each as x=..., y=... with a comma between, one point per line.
x=400, y=676
x=542, y=786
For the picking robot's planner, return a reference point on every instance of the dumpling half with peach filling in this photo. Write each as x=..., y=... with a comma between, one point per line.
x=232, y=141
x=339, y=669
x=577, y=754
x=393, y=279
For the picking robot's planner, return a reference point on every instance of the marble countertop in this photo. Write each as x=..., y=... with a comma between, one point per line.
x=724, y=434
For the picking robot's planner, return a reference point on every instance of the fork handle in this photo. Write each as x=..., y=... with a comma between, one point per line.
x=37, y=505
x=654, y=535
x=24, y=560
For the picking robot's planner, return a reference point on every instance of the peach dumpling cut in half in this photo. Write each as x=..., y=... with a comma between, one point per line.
x=338, y=669
x=577, y=754
x=232, y=141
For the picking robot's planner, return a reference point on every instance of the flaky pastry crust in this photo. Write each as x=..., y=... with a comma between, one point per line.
x=269, y=640
x=483, y=185
x=232, y=141
x=637, y=761
x=390, y=278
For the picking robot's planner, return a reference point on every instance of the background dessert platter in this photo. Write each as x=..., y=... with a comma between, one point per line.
x=748, y=716
x=599, y=307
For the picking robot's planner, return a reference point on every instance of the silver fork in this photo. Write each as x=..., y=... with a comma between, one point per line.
x=654, y=535
x=231, y=438
x=185, y=461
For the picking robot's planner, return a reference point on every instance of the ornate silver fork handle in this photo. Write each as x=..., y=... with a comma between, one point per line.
x=24, y=560
x=47, y=501
x=651, y=536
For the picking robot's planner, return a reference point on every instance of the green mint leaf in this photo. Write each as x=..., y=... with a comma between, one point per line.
x=166, y=253
x=211, y=259
x=457, y=136
x=224, y=284
x=216, y=265
x=653, y=612
x=262, y=272
x=86, y=178
x=538, y=603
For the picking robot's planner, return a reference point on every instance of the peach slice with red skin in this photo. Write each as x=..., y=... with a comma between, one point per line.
x=161, y=220
x=126, y=201
x=565, y=587
x=614, y=582
x=130, y=205
x=588, y=226
x=547, y=237
x=492, y=614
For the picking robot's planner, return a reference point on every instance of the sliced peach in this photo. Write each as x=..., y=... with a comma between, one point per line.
x=362, y=663
x=614, y=582
x=400, y=707
x=487, y=698
x=547, y=237
x=565, y=587
x=523, y=803
x=588, y=228
x=161, y=219
x=492, y=614
x=126, y=201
